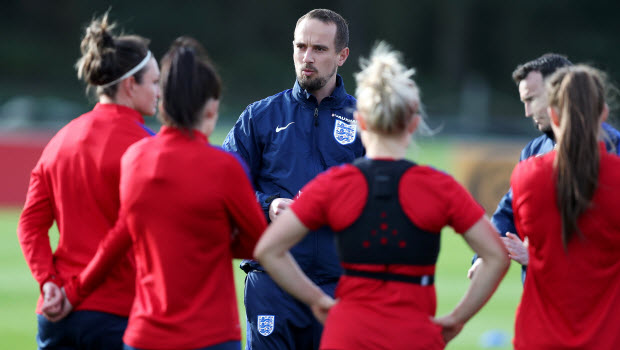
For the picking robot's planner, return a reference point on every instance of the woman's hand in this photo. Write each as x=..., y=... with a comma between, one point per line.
x=321, y=307
x=450, y=327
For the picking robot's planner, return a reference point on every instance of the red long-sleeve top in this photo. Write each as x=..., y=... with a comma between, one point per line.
x=75, y=183
x=571, y=297
x=188, y=209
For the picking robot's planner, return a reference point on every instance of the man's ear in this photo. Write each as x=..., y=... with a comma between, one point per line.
x=342, y=56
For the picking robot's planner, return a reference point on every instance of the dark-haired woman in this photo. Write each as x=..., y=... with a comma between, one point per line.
x=190, y=209
x=565, y=203
x=387, y=214
x=75, y=183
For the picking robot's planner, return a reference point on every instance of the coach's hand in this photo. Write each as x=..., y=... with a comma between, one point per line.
x=321, y=307
x=517, y=249
x=278, y=206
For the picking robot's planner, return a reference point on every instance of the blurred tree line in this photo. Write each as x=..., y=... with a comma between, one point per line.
x=463, y=51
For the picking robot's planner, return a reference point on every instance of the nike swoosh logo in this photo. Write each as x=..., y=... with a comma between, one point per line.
x=278, y=129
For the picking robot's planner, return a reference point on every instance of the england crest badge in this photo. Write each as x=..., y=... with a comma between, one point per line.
x=344, y=133
x=266, y=324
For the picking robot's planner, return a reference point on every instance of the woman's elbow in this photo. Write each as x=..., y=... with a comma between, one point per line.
x=259, y=251
x=502, y=259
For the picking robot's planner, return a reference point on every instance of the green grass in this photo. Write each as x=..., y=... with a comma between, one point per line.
x=18, y=291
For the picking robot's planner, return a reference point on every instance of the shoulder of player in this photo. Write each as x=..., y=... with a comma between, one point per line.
x=340, y=177
x=139, y=147
x=428, y=179
x=532, y=168
x=342, y=170
x=428, y=172
x=223, y=158
x=611, y=158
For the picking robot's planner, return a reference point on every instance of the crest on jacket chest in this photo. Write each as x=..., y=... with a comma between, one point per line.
x=344, y=133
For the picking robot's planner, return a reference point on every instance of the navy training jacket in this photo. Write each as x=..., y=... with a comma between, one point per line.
x=287, y=139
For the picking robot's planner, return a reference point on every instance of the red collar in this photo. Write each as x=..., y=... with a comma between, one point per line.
x=120, y=110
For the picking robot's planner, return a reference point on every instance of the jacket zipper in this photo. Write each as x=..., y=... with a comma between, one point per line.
x=316, y=116
x=315, y=253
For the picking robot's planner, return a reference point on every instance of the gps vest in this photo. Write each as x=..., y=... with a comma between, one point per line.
x=383, y=234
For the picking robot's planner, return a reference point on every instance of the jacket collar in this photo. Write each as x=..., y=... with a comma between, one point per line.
x=337, y=98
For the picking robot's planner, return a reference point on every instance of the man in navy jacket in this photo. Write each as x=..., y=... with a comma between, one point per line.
x=287, y=139
x=530, y=77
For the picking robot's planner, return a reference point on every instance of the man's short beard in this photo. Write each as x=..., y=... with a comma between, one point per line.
x=547, y=129
x=313, y=84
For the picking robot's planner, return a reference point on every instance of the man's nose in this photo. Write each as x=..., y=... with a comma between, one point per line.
x=308, y=57
x=528, y=110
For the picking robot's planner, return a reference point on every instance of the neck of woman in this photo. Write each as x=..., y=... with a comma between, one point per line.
x=385, y=146
x=119, y=100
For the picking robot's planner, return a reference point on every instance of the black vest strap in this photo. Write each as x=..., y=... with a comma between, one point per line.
x=383, y=234
x=425, y=280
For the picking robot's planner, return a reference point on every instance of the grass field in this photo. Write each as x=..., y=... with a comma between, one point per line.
x=18, y=291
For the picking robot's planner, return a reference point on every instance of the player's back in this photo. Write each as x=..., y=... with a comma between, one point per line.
x=175, y=192
x=81, y=168
x=571, y=294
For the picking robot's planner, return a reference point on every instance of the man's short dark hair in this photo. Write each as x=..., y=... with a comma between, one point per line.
x=329, y=16
x=545, y=64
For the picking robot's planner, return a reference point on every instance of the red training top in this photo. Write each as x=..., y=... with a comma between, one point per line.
x=76, y=183
x=190, y=209
x=386, y=314
x=571, y=298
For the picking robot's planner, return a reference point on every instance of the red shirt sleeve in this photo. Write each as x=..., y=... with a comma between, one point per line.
x=110, y=251
x=335, y=198
x=464, y=211
x=33, y=229
x=247, y=216
x=433, y=199
x=311, y=205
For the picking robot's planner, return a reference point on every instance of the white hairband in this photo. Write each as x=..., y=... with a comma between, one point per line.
x=130, y=72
